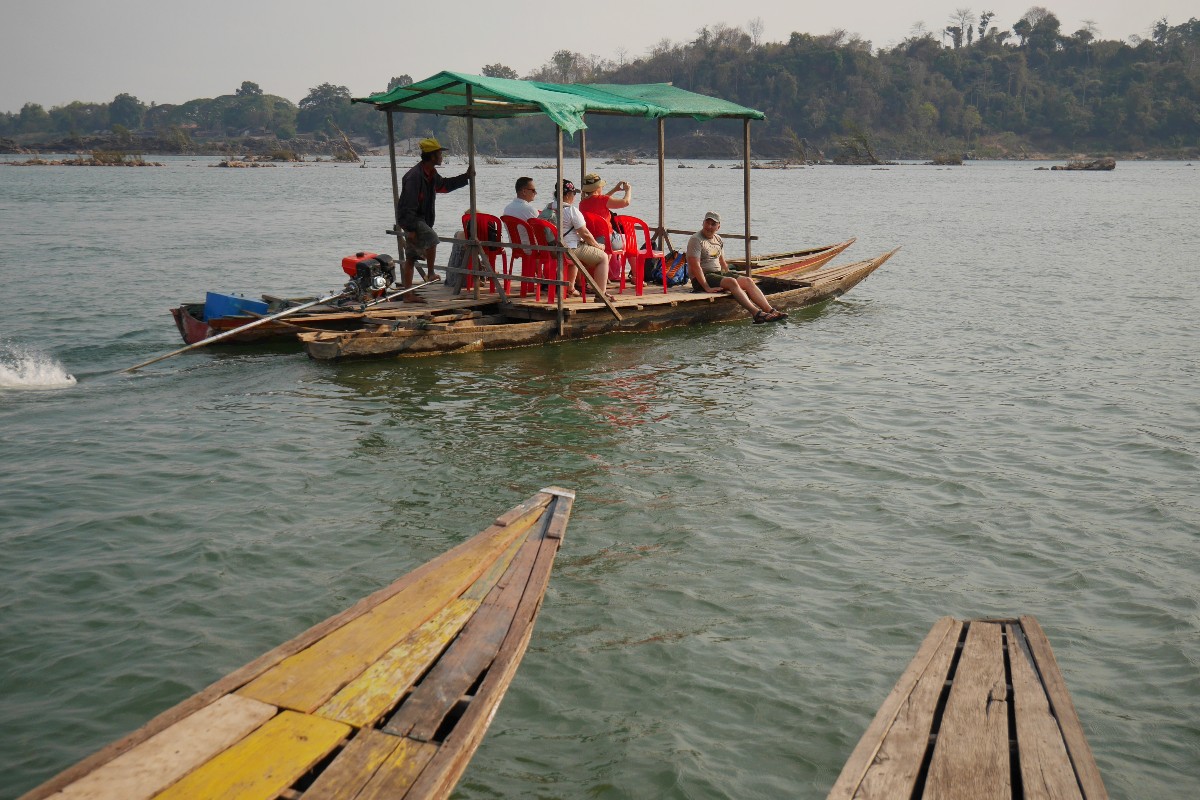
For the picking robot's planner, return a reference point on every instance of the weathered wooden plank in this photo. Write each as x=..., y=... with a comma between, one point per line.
x=307, y=679
x=372, y=765
x=265, y=662
x=422, y=713
x=372, y=694
x=265, y=763
x=971, y=755
x=396, y=774
x=451, y=759
x=538, y=501
x=1064, y=711
x=1046, y=771
x=169, y=755
x=488, y=580
x=887, y=759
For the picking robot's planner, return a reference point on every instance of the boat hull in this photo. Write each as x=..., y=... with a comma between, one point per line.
x=495, y=333
x=194, y=328
x=390, y=697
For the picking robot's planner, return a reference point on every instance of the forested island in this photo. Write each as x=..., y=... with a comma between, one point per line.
x=974, y=89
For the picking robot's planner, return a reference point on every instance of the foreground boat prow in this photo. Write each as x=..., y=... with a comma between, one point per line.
x=390, y=698
x=981, y=712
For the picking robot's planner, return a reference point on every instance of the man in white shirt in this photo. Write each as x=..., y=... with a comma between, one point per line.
x=522, y=206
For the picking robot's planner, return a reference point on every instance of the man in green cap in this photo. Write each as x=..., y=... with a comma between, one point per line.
x=415, y=212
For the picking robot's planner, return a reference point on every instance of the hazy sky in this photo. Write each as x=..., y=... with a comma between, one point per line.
x=56, y=51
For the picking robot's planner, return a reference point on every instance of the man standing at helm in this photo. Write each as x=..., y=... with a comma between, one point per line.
x=415, y=208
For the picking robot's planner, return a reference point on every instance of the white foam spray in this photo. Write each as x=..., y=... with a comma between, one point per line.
x=21, y=368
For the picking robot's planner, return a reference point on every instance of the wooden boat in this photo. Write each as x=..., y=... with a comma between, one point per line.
x=193, y=327
x=522, y=323
x=390, y=698
x=981, y=712
x=447, y=324
x=797, y=262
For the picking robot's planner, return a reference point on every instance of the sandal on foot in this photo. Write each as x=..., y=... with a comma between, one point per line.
x=761, y=316
x=779, y=314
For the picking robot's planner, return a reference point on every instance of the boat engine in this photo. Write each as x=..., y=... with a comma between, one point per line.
x=370, y=274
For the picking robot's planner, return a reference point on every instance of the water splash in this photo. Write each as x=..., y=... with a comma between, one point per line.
x=21, y=368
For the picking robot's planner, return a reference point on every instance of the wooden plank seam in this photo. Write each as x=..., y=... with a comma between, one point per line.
x=879, y=745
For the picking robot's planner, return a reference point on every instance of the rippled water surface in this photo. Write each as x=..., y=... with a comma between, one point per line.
x=1004, y=420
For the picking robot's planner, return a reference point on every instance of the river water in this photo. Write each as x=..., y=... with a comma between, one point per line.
x=1003, y=420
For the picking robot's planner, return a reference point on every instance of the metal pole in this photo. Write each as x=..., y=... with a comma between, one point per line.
x=746, y=188
x=395, y=186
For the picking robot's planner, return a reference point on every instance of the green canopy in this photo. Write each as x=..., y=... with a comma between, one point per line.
x=446, y=93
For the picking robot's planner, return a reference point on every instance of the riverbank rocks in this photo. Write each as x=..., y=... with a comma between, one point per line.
x=1094, y=165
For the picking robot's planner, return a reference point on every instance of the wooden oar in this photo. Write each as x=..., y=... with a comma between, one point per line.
x=595, y=287
x=286, y=312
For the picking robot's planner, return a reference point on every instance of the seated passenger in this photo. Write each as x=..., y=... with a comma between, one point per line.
x=605, y=205
x=522, y=206
x=710, y=272
x=579, y=240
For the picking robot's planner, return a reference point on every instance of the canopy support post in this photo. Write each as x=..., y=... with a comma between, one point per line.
x=746, y=188
x=582, y=155
x=562, y=290
x=661, y=233
x=395, y=187
x=476, y=252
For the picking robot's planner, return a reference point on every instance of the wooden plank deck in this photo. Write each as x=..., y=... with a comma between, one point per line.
x=982, y=711
x=388, y=699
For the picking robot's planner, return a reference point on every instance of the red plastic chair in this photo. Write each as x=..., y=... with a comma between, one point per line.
x=546, y=235
x=601, y=229
x=637, y=254
x=519, y=232
x=489, y=230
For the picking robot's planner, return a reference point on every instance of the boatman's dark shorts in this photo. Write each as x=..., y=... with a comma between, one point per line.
x=422, y=237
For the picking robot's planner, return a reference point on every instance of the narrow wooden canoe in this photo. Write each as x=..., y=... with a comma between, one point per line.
x=390, y=698
x=193, y=328
x=982, y=712
x=527, y=323
x=797, y=262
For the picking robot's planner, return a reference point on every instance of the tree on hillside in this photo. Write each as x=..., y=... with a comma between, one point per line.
x=321, y=102
x=127, y=111
x=500, y=71
x=249, y=89
x=400, y=80
x=33, y=118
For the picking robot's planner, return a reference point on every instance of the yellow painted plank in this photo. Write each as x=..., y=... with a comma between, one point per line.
x=372, y=694
x=265, y=763
x=172, y=753
x=307, y=679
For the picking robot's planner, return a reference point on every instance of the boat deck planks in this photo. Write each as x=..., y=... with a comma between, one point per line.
x=166, y=757
x=981, y=711
x=438, y=649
